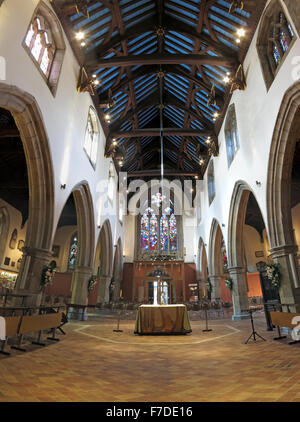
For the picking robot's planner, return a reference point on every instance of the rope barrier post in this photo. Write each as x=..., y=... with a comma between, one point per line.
x=206, y=322
x=117, y=330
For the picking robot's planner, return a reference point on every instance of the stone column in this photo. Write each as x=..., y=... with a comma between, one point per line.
x=80, y=280
x=286, y=257
x=103, y=291
x=216, y=287
x=29, y=277
x=239, y=292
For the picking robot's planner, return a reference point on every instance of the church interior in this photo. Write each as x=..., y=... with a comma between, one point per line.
x=149, y=200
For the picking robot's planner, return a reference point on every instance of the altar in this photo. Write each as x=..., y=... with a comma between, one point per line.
x=162, y=319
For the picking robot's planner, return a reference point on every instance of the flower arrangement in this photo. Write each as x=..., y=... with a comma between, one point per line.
x=209, y=286
x=47, y=274
x=91, y=284
x=273, y=274
x=229, y=283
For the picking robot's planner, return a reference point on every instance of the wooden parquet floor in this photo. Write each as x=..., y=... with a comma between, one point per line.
x=93, y=363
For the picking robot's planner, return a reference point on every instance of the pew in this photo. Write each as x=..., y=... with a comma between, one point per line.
x=38, y=323
x=11, y=325
x=283, y=319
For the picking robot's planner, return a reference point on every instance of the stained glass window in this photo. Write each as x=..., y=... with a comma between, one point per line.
x=73, y=252
x=145, y=232
x=224, y=256
x=276, y=54
x=153, y=232
x=283, y=40
x=158, y=233
x=173, y=233
x=282, y=35
x=164, y=233
x=40, y=44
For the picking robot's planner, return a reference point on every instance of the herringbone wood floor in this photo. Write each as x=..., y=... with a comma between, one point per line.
x=93, y=363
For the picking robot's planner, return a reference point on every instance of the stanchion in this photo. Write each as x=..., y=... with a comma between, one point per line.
x=254, y=333
x=117, y=330
x=206, y=322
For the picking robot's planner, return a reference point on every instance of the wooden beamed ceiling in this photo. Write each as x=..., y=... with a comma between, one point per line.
x=143, y=58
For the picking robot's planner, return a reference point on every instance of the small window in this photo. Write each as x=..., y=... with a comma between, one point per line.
x=275, y=38
x=45, y=45
x=92, y=137
x=73, y=252
x=211, y=182
x=111, y=183
x=231, y=134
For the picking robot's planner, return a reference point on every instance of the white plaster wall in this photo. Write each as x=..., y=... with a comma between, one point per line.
x=256, y=111
x=65, y=115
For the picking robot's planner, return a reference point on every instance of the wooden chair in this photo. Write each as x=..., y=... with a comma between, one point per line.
x=11, y=328
x=283, y=319
x=38, y=323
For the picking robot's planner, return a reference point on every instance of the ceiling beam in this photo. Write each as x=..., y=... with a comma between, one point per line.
x=139, y=133
x=157, y=173
x=152, y=59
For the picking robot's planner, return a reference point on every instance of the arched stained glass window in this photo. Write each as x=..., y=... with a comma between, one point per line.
x=40, y=44
x=153, y=232
x=73, y=252
x=145, y=232
x=158, y=233
x=231, y=134
x=164, y=233
x=274, y=39
x=45, y=45
x=173, y=233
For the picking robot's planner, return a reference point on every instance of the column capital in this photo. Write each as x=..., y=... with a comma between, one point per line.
x=83, y=269
x=237, y=270
x=37, y=252
x=283, y=250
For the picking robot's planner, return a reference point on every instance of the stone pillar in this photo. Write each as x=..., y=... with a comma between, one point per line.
x=103, y=291
x=286, y=257
x=239, y=293
x=216, y=287
x=29, y=277
x=80, y=280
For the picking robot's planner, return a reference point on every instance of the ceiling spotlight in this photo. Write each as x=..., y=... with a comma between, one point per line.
x=201, y=161
x=237, y=40
x=241, y=32
x=83, y=44
x=94, y=75
x=79, y=35
x=120, y=163
x=114, y=142
x=208, y=140
x=96, y=82
x=107, y=116
x=226, y=79
x=196, y=177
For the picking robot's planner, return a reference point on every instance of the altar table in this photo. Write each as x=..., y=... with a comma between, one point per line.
x=162, y=319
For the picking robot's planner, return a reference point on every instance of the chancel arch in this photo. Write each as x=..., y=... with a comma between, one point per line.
x=282, y=193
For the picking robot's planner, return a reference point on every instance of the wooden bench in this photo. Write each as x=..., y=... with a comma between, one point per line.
x=38, y=323
x=11, y=330
x=283, y=319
